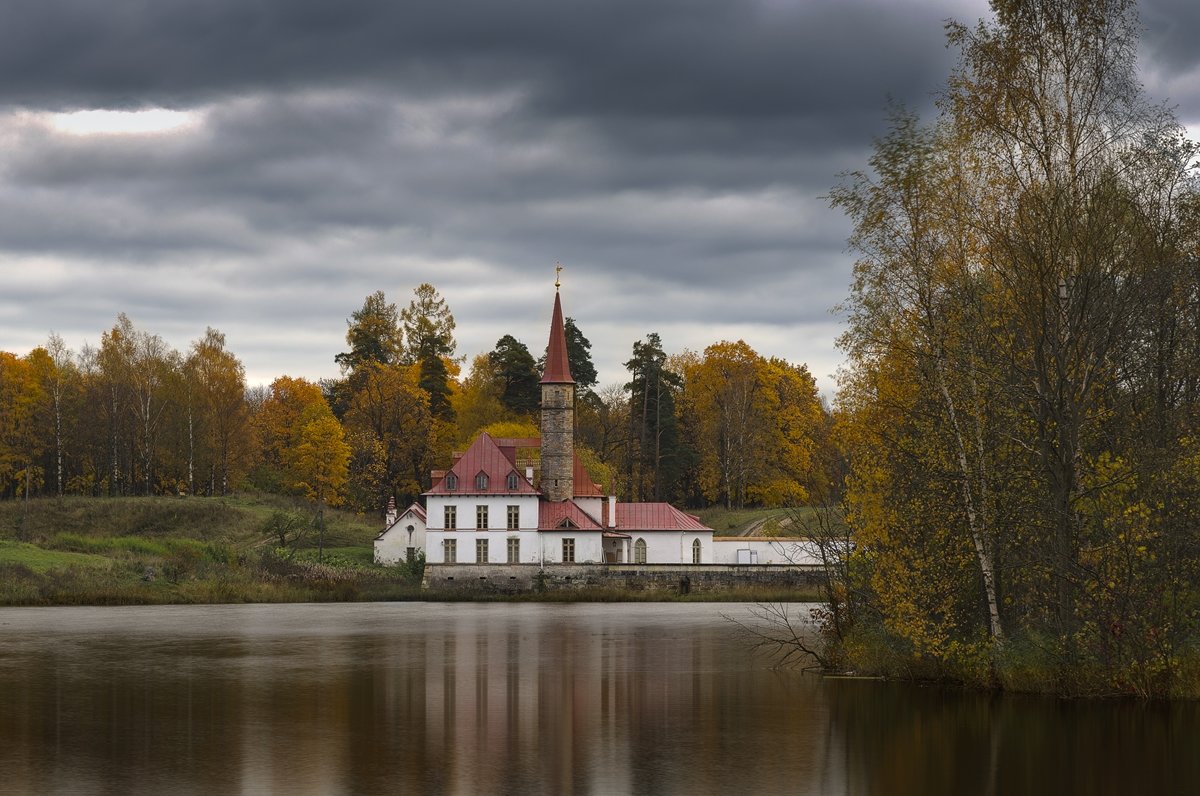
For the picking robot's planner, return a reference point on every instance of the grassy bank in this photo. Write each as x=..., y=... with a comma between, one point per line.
x=123, y=551
x=246, y=548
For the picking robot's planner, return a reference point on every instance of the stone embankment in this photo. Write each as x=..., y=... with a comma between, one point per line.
x=663, y=578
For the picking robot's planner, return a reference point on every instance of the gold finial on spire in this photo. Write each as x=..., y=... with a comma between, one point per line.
x=557, y=275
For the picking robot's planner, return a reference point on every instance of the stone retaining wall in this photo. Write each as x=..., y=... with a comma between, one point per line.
x=667, y=578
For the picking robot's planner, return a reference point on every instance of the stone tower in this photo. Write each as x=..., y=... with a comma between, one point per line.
x=558, y=413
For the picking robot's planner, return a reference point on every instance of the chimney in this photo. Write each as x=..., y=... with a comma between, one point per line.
x=612, y=511
x=391, y=516
x=529, y=473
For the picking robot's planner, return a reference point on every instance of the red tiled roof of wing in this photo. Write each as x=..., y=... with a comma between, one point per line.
x=656, y=517
x=583, y=484
x=483, y=456
x=558, y=367
x=517, y=442
x=552, y=513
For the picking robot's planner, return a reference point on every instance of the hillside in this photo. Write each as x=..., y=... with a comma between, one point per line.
x=169, y=550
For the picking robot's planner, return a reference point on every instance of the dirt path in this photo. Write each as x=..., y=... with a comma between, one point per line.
x=757, y=525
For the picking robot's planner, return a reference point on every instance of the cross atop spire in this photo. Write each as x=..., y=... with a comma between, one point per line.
x=557, y=276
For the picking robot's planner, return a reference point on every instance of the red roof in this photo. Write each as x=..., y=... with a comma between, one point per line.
x=656, y=517
x=552, y=514
x=582, y=482
x=484, y=456
x=558, y=367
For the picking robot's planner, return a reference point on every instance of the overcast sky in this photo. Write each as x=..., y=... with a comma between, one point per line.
x=260, y=167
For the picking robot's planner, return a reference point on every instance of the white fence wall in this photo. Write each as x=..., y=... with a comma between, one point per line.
x=762, y=550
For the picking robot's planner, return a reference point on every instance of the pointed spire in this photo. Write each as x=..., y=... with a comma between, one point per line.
x=558, y=366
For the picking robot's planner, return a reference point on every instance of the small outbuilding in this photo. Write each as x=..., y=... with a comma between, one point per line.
x=403, y=534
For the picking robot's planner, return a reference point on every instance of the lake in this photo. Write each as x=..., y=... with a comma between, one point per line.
x=521, y=699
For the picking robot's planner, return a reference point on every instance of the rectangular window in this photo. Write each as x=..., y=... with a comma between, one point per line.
x=412, y=553
x=481, y=553
x=568, y=551
x=450, y=518
x=514, y=551
x=514, y=518
x=450, y=550
x=481, y=518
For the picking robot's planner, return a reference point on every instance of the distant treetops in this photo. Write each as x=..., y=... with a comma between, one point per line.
x=135, y=417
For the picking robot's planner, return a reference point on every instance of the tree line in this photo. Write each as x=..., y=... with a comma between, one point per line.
x=132, y=416
x=1020, y=409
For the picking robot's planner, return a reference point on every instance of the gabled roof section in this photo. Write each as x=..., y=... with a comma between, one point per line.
x=552, y=515
x=558, y=366
x=484, y=456
x=415, y=510
x=656, y=517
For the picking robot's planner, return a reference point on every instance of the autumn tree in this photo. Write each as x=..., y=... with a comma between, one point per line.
x=317, y=463
x=276, y=423
x=61, y=386
x=477, y=401
x=373, y=334
x=428, y=327
x=754, y=421
x=20, y=396
x=1015, y=407
x=218, y=385
x=393, y=415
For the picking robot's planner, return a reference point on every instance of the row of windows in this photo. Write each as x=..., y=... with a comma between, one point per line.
x=450, y=548
x=639, y=551
x=450, y=518
x=450, y=551
x=481, y=482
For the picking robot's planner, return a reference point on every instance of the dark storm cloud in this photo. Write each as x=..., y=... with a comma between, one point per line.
x=672, y=154
x=1170, y=33
x=700, y=58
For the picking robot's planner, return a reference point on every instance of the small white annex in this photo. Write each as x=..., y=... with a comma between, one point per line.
x=403, y=535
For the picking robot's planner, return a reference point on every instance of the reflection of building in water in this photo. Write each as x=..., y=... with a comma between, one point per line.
x=531, y=501
x=521, y=703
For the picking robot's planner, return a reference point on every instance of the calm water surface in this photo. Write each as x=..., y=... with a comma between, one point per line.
x=520, y=699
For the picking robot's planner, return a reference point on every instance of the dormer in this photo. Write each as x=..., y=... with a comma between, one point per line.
x=481, y=481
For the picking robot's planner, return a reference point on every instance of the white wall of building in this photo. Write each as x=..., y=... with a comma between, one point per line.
x=671, y=547
x=497, y=549
x=778, y=550
x=392, y=546
x=497, y=511
x=589, y=548
x=593, y=507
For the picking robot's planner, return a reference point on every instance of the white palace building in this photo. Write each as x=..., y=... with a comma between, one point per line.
x=496, y=506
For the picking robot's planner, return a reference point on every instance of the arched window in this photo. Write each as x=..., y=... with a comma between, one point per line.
x=512, y=481
x=639, y=551
x=696, y=552
x=481, y=482
x=451, y=482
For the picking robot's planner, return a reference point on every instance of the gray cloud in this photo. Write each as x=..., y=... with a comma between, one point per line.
x=672, y=155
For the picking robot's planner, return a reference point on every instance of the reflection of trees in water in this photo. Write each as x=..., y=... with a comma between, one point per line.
x=900, y=738
x=531, y=700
